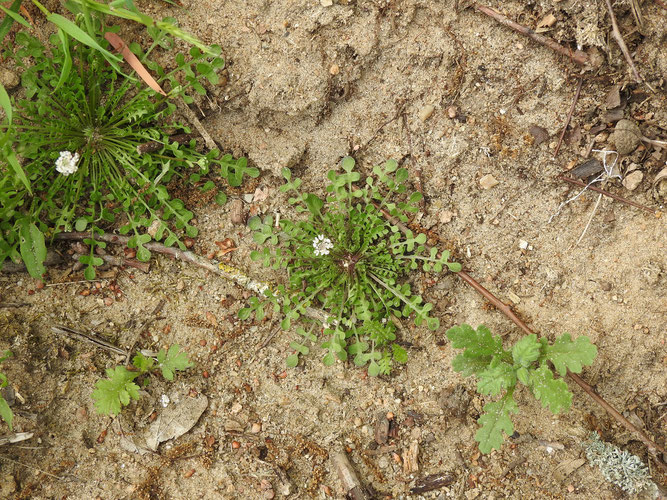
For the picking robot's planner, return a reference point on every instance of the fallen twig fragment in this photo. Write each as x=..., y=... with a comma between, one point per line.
x=621, y=43
x=17, y=437
x=577, y=56
x=657, y=213
x=569, y=117
x=185, y=109
x=432, y=482
x=351, y=484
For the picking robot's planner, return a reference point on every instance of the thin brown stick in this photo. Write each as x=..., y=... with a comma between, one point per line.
x=616, y=197
x=153, y=316
x=210, y=143
x=14, y=304
x=585, y=386
x=621, y=43
x=577, y=56
x=569, y=116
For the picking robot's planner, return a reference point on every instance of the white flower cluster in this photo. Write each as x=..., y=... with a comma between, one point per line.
x=322, y=245
x=67, y=163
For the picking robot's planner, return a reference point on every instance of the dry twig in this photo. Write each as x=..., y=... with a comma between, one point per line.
x=621, y=43
x=577, y=56
x=569, y=116
x=657, y=213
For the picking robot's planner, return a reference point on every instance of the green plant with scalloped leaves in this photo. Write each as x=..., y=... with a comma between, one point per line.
x=116, y=391
x=350, y=262
x=529, y=362
x=97, y=118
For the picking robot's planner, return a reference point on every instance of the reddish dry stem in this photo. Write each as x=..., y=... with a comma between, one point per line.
x=569, y=116
x=616, y=197
x=576, y=56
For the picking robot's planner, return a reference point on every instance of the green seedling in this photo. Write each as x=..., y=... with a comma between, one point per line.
x=498, y=371
x=344, y=258
x=119, y=388
x=5, y=411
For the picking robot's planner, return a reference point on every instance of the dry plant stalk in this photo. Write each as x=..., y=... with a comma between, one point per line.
x=577, y=56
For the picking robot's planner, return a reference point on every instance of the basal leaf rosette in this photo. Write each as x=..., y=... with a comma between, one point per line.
x=346, y=259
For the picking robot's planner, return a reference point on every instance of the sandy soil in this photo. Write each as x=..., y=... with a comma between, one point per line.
x=307, y=84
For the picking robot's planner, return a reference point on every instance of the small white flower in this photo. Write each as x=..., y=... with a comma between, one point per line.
x=66, y=163
x=322, y=245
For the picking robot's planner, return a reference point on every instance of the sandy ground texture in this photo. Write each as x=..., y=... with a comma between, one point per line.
x=474, y=111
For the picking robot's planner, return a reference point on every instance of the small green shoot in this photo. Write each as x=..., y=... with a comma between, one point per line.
x=498, y=371
x=5, y=411
x=116, y=391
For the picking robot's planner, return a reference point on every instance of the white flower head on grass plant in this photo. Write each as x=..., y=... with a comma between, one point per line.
x=67, y=163
x=75, y=103
x=322, y=245
x=362, y=284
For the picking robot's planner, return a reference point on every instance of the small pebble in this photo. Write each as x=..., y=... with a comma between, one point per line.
x=108, y=301
x=488, y=181
x=326, y=3
x=523, y=244
x=9, y=79
x=256, y=428
x=633, y=180
x=189, y=473
x=236, y=445
x=446, y=217
x=334, y=69
x=452, y=112
x=626, y=137
x=426, y=112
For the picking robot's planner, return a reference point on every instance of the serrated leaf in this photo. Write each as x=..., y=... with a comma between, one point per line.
x=498, y=376
x=526, y=350
x=399, y=354
x=494, y=422
x=116, y=391
x=553, y=393
x=568, y=355
x=143, y=363
x=476, y=343
x=470, y=365
x=173, y=360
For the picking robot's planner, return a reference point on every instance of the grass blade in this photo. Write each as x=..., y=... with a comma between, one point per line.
x=6, y=104
x=67, y=64
x=78, y=34
x=8, y=21
x=15, y=15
